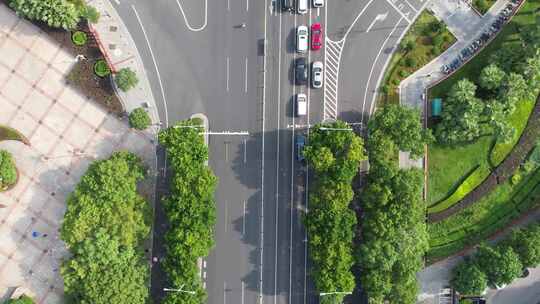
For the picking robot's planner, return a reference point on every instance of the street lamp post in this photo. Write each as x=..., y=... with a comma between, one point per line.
x=179, y=290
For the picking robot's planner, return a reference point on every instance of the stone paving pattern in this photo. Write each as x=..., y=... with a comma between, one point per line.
x=67, y=132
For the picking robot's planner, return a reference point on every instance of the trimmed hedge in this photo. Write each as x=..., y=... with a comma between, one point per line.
x=475, y=178
x=8, y=172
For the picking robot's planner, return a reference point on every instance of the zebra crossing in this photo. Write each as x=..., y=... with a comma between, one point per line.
x=332, y=60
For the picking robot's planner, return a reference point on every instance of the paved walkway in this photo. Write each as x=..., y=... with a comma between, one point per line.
x=122, y=53
x=412, y=89
x=67, y=132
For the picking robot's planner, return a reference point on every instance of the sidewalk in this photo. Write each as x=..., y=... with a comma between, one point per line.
x=413, y=88
x=122, y=52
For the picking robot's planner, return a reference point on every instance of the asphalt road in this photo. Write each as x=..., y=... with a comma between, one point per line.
x=200, y=61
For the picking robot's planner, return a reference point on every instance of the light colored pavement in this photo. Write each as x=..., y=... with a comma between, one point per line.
x=67, y=132
x=412, y=89
x=121, y=53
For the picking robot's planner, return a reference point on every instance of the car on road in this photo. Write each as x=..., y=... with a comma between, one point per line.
x=302, y=6
x=302, y=39
x=318, y=3
x=317, y=74
x=287, y=5
x=300, y=71
x=301, y=104
x=300, y=143
x=316, y=36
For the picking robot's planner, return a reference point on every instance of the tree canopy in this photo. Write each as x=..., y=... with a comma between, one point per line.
x=468, y=279
x=491, y=77
x=330, y=223
x=55, y=13
x=190, y=209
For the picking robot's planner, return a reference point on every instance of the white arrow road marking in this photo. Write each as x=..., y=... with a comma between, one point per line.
x=379, y=17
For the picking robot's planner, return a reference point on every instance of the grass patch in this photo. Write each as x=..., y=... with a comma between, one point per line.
x=7, y=133
x=428, y=38
x=483, y=5
x=491, y=213
x=449, y=166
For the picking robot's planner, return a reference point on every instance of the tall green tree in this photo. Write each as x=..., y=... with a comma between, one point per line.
x=468, y=279
x=491, y=77
x=107, y=198
x=55, y=13
x=526, y=243
x=501, y=265
x=103, y=271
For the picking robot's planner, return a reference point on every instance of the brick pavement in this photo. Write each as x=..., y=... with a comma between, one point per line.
x=67, y=132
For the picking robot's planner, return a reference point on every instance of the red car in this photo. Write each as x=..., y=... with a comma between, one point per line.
x=316, y=36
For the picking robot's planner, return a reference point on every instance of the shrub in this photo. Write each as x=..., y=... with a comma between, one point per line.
x=90, y=13
x=101, y=68
x=407, y=45
x=438, y=40
x=79, y=38
x=403, y=73
x=411, y=62
x=8, y=172
x=24, y=299
x=56, y=13
x=139, y=119
x=467, y=279
x=126, y=79
x=516, y=178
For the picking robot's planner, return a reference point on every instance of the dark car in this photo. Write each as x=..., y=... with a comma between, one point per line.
x=300, y=71
x=300, y=143
x=287, y=5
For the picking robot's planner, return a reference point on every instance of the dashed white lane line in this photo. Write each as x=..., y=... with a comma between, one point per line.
x=375, y=63
x=246, y=77
x=247, y=5
x=262, y=158
x=155, y=65
x=228, y=70
x=244, y=219
x=191, y=28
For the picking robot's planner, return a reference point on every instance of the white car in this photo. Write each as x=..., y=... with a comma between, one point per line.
x=317, y=74
x=318, y=3
x=302, y=39
x=302, y=6
x=301, y=104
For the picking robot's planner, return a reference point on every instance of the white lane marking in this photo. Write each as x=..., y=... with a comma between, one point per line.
x=244, y=219
x=379, y=17
x=277, y=158
x=224, y=292
x=191, y=28
x=247, y=5
x=155, y=66
x=414, y=8
x=404, y=15
x=228, y=60
x=374, y=63
x=355, y=20
x=245, y=150
x=226, y=151
x=226, y=216
x=228, y=5
x=243, y=292
x=262, y=156
x=318, y=11
x=246, y=78
x=204, y=275
x=117, y=2
x=204, y=263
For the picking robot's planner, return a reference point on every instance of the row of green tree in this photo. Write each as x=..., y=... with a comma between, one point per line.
x=474, y=110
x=104, y=226
x=393, y=230
x=498, y=265
x=64, y=14
x=335, y=157
x=190, y=210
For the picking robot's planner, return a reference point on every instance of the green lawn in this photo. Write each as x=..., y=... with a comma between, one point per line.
x=426, y=48
x=448, y=167
x=483, y=5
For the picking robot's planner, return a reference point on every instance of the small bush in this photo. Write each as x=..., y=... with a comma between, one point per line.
x=410, y=62
x=438, y=40
x=126, y=79
x=79, y=38
x=403, y=73
x=24, y=299
x=139, y=119
x=436, y=27
x=101, y=68
x=407, y=45
x=90, y=13
x=8, y=173
x=516, y=178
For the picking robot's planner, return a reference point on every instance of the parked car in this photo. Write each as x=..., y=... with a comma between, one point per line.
x=300, y=71
x=302, y=39
x=302, y=6
x=318, y=3
x=300, y=143
x=316, y=36
x=317, y=74
x=287, y=5
x=301, y=104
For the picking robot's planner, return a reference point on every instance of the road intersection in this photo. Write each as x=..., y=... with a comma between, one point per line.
x=201, y=60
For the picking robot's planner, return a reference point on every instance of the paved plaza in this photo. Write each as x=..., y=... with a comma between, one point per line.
x=67, y=132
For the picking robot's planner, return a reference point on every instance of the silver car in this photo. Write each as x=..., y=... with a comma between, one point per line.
x=317, y=74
